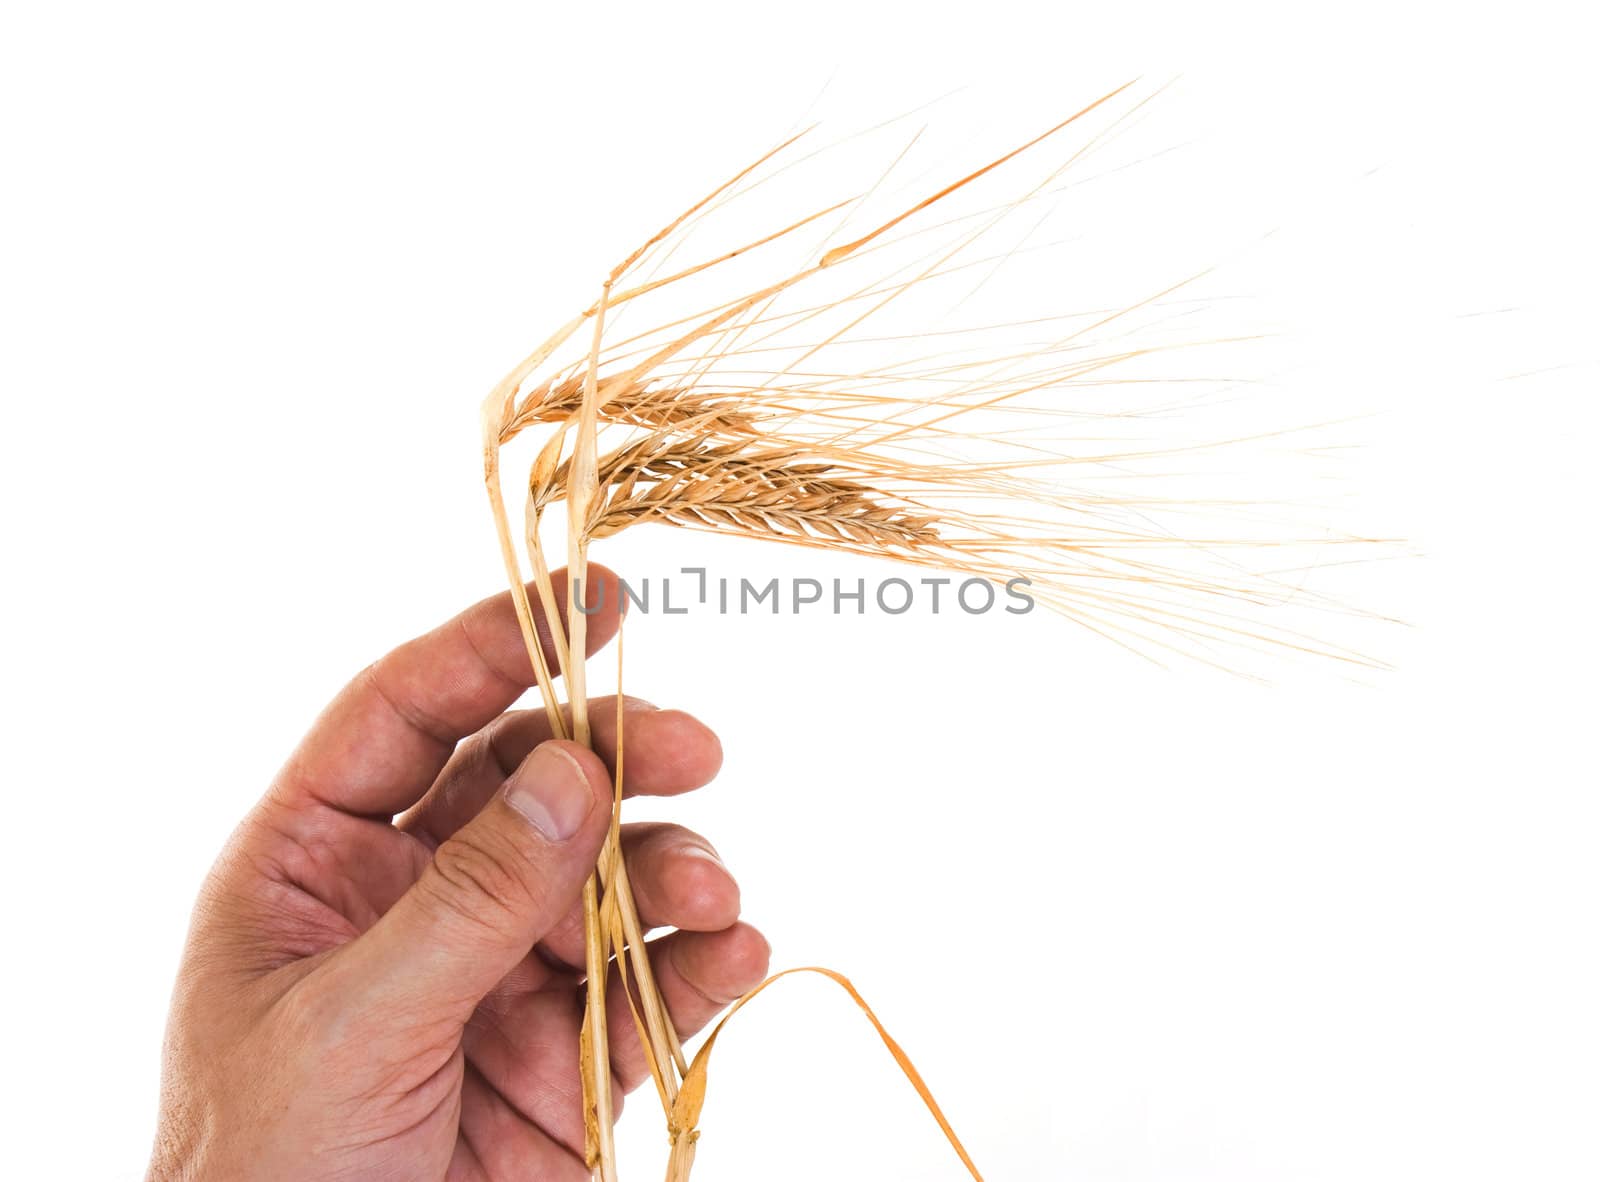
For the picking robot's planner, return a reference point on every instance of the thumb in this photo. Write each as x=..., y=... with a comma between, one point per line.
x=492, y=890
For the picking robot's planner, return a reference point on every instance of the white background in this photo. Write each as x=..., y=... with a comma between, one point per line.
x=260, y=264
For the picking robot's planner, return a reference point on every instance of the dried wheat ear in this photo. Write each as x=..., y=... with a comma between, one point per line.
x=994, y=450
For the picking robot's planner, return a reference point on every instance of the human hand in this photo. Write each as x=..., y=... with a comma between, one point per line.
x=380, y=980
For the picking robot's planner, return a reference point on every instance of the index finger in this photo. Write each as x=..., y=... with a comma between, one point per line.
x=381, y=742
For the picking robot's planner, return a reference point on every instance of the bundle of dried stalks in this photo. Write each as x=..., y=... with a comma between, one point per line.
x=969, y=450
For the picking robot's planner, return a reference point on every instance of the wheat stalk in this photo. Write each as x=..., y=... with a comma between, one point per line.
x=971, y=449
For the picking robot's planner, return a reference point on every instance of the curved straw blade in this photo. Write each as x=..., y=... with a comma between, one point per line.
x=692, y=1093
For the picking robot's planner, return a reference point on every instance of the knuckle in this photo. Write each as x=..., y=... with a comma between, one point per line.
x=479, y=884
x=312, y=1021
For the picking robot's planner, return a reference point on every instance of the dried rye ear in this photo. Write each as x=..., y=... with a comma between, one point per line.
x=771, y=493
x=818, y=403
x=637, y=406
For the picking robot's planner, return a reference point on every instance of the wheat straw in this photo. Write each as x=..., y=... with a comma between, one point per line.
x=992, y=450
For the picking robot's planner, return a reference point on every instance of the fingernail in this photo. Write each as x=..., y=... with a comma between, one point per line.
x=551, y=790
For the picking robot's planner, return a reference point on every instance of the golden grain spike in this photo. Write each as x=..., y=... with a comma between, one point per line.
x=992, y=451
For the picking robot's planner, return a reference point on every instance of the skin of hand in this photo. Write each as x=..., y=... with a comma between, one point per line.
x=383, y=979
